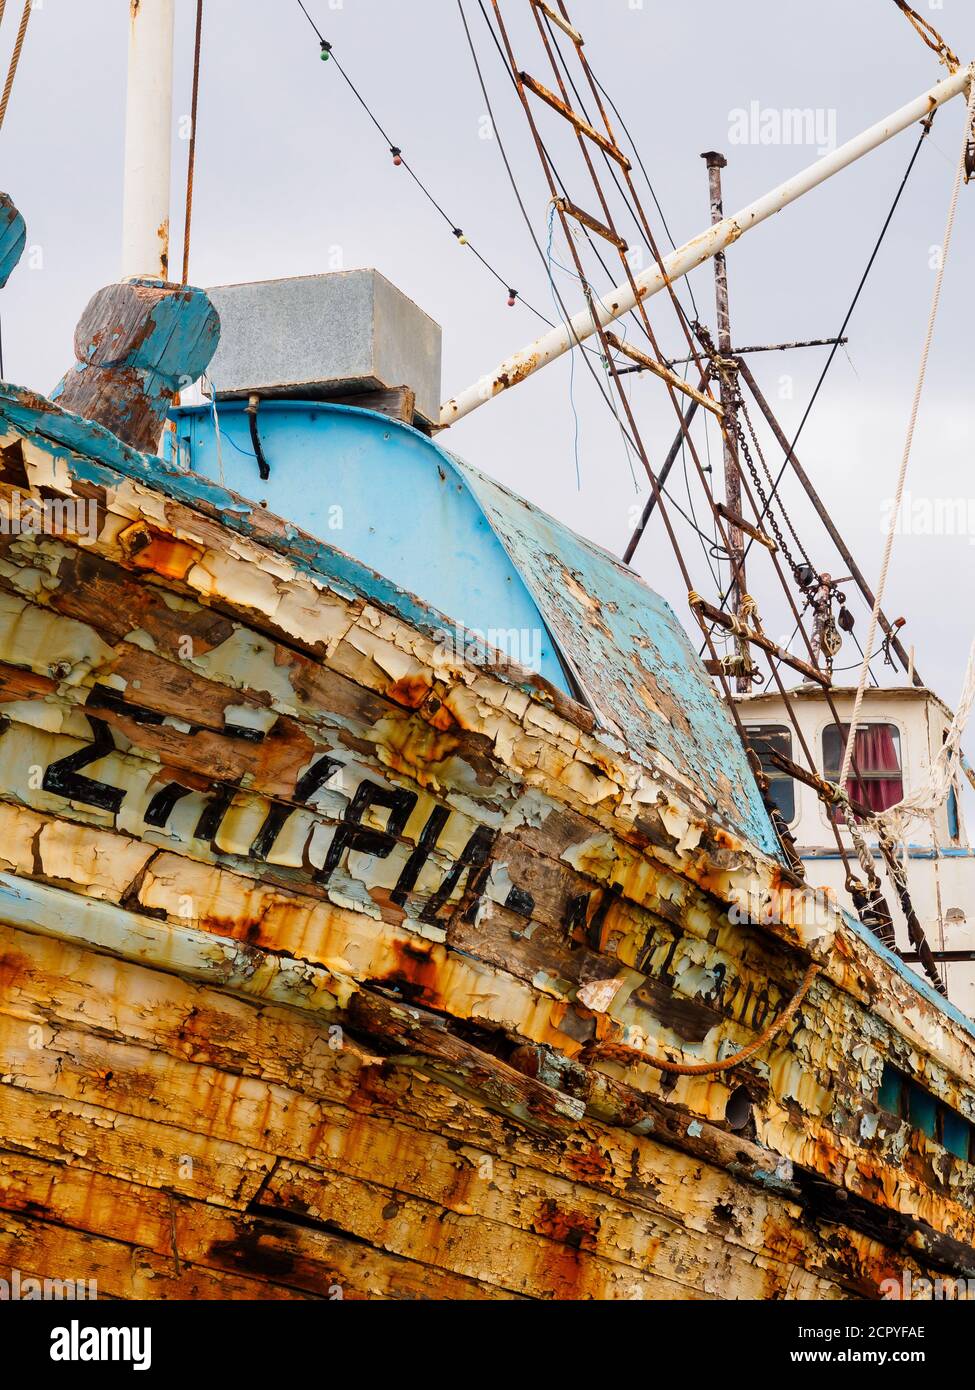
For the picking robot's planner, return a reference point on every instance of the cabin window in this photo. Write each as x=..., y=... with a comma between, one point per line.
x=782, y=789
x=901, y=1096
x=877, y=757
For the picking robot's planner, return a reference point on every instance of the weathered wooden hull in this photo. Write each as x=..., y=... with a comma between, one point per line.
x=330, y=967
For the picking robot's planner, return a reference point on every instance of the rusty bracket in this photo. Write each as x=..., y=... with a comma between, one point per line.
x=593, y=223
x=562, y=23
x=664, y=373
x=557, y=104
x=746, y=526
x=708, y=612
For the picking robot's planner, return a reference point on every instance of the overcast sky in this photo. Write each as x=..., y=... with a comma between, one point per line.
x=292, y=176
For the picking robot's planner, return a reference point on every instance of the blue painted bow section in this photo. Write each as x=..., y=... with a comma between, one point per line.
x=496, y=565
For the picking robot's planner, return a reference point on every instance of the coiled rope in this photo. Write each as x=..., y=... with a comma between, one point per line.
x=633, y=1054
x=930, y=36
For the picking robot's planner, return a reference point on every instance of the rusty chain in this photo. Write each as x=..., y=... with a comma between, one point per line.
x=741, y=411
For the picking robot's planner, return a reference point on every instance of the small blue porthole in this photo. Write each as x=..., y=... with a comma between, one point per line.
x=901, y=1096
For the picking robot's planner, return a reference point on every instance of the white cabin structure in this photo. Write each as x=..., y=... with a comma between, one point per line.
x=899, y=731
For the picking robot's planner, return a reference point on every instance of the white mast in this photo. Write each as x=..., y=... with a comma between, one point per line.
x=617, y=302
x=148, y=141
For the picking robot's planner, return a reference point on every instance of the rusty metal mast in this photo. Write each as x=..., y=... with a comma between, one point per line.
x=732, y=476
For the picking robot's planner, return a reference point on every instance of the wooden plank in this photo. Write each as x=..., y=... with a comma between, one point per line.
x=398, y=403
x=43, y=1250
x=215, y=1248
x=825, y=1049
x=376, y=1154
x=649, y=1011
x=184, y=1019
x=342, y=1085
x=556, y=1261
x=50, y=981
x=127, y=343
x=380, y=1214
x=151, y=1153
x=518, y=1096
x=656, y=1245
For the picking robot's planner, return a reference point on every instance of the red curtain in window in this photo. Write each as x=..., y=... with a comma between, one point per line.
x=874, y=751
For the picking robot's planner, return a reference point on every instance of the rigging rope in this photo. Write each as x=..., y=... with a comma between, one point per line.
x=946, y=768
x=930, y=36
x=709, y=544
x=399, y=159
x=191, y=158
x=834, y=350
x=558, y=178
x=588, y=355
x=626, y=131
x=15, y=58
x=902, y=475
x=563, y=310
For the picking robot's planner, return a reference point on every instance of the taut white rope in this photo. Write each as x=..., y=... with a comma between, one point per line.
x=902, y=476
x=945, y=769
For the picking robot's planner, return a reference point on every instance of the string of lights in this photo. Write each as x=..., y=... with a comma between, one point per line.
x=400, y=161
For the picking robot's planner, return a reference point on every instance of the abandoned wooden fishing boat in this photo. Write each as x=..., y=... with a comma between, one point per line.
x=390, y=907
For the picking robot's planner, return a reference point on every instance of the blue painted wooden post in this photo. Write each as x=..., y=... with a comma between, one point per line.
x=138, y=344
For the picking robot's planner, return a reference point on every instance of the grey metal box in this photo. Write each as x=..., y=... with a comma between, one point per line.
x=320, y=335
